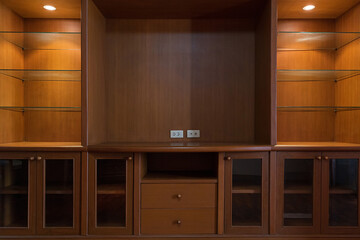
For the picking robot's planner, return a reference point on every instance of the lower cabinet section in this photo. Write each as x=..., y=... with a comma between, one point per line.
x=178, y=221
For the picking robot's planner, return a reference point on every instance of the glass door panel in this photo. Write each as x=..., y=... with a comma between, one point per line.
x=246, y=192
x=59, y=193
x=298, y=192
x=111, y=189
x=343, y=192
x=110, y=193
x=14, y=193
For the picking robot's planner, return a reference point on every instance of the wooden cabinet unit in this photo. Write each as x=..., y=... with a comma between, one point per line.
x=40, y=193
x=179, y=119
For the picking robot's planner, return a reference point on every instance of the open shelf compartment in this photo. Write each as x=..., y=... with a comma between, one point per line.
x=301, y=75
x=42, y=75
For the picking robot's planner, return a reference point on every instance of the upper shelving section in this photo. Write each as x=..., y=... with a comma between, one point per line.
x=42, y=75
x=315, y=40
x=299, y=75
x=44, y=40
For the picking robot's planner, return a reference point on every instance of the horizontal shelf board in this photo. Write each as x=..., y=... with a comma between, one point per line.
x=59, y=190
x=41, y=145
x=315, y=40
x=44, y=40
x=301, y=75
x=317, y=108
x=178, y=177
x=51, y=109
x=316, y=146
x=298, y=189
x=246, y=189
x=14, y=190
x=42, y=75
x=297, y=215
x=341, y=190
x=178, y=147
x=113, y=189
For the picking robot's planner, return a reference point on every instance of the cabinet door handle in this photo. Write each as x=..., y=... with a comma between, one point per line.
x=32, y=158
x=38, y=158
x=178, y=222
x=318, y=157
x=228, y=158
x=179, y=196
x=129, y=158
x=326, y=158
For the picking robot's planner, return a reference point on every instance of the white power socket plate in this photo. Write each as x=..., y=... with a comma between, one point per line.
x=176, y=134
x=193, y=133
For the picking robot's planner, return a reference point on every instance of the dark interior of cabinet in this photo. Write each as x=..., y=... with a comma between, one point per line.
x=157, y=66
x=179, y=166
x=111, y=191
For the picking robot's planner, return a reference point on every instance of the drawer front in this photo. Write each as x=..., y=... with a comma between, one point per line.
x=178, y=221
x=178, y=195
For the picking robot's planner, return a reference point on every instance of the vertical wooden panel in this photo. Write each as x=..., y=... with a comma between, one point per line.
x=221, y=193
x=347, y=91
x=96, y=75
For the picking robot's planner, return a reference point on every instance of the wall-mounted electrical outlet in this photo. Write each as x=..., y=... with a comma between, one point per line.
x=193, y=133
x=176, y=133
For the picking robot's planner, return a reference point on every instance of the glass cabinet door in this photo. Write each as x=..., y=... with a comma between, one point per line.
x=111, y=194
x=246, y=193
x=60, y=189
x=17, y=186
x=341, y=192
x=298, y=175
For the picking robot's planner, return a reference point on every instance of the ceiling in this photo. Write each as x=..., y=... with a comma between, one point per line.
x=34, y=8
x=323, y=8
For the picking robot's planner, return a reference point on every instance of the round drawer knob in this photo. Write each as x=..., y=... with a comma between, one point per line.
x=179, y=196
x=32, y=158
x=326, y=158
x=318, y=157
x=228, y=158
x=178, y=221
x=38, y=158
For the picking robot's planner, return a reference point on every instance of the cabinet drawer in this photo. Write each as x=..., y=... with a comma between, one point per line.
x=178, y=221
x=178, y=195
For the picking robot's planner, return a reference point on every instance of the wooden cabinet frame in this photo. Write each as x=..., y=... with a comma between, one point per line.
x=41, y=229
x=93, y=229
x=280, y=162
x=264, y=228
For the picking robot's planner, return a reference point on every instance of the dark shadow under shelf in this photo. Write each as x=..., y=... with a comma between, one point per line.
x=179, y=177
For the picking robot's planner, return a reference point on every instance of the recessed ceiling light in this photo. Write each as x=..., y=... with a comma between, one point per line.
x=309, y=7
x=50, y=8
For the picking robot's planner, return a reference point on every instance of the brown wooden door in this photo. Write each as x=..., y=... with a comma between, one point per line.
x=17, y=193
x=246, y=193
x=298, y=177
x=58, y=193
x=340, y=193
x=110, y=193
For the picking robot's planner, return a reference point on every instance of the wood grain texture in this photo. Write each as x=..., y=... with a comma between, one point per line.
x=11, y=89
x=34, y=8
x=96, y=75
x=221, y=194
x=324, y=8
x=178, y=9
x=165, y=221
x=305, y=126
x=178, y=196
x=265, y=80
x=182, y=65
x=347, y=91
